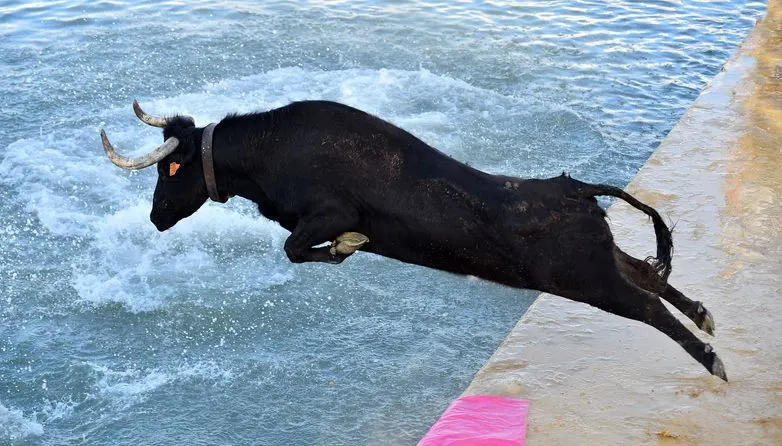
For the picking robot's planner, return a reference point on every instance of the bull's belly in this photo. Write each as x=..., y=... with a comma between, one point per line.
x=491, y=263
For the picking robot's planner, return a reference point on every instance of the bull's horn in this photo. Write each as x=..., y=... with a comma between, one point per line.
x=141, y=162
x=154, y=121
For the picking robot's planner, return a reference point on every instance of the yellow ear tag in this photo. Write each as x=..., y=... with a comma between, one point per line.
x=172, y=168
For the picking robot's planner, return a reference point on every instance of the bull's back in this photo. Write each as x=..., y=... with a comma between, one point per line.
x=360, y=157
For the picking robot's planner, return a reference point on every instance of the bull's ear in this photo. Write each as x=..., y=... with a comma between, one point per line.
x=173, y=167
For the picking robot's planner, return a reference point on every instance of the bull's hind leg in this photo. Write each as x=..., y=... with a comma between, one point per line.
x=630, y=301
x=582, y=266
x=611, y=292
x=644, y=276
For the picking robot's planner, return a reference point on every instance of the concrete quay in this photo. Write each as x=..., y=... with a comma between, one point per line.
x=596, y=379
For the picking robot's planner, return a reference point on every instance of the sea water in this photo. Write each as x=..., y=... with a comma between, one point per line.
x=113, y=333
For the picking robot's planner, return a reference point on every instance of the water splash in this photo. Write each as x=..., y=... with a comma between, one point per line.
x=15, y=426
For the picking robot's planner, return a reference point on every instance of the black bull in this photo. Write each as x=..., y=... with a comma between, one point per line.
x=331, y=173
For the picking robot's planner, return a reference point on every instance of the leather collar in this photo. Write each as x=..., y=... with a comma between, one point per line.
x=209, y=166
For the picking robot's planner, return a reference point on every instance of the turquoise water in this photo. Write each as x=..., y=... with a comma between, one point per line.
x=113, y=333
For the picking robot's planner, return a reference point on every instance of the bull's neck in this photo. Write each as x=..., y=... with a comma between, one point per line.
x=236, y=164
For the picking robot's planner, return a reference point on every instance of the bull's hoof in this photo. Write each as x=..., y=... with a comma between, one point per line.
x=718, y=369
x=347, y=243
x=708, y=323
x=704, y=320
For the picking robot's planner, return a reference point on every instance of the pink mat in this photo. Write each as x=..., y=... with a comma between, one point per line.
x=481, y=420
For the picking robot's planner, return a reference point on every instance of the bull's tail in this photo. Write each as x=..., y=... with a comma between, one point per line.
x=664, y=239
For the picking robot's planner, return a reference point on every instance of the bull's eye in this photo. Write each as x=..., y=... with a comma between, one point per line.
x=172, y=168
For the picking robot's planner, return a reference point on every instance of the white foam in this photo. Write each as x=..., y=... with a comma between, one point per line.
x=135, y=265
x=133, y=385
x=14, y=425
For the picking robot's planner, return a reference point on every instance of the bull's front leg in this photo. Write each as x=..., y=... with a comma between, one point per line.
x=313, y=231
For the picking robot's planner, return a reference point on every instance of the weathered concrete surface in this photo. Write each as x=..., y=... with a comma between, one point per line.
x=595, y=378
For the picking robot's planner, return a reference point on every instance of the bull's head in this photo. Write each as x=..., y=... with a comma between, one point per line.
x=181, y=188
